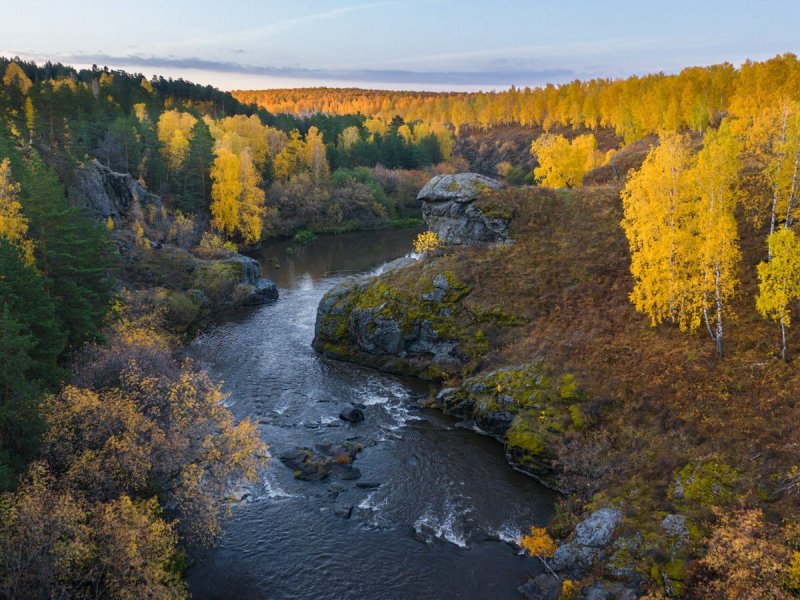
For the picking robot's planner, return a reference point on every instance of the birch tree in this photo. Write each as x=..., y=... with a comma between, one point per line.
x=713, y=179
x=657, y=208
x=779, y=281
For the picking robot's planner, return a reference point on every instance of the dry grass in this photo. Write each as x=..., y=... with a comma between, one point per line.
x=664, y=396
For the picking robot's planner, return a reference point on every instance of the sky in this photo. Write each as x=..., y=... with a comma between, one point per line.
x=398, y=44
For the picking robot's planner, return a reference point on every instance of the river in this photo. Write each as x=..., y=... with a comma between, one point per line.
x=438, y=524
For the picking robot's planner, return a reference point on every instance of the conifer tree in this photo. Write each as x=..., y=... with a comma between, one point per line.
x=196, y=195
x=31, y=339
x=72, y=251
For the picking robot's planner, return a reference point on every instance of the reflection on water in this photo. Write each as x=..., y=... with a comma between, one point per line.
x=291, y=264
x=435, y=503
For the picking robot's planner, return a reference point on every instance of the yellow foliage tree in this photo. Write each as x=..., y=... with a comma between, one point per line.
x=237, y=201
x=55, y=543
x=375, y=127
x=15, y=76
x=290, y=160
x=404, y=131
x=13, y=223
x=714, y=177
x=538, y=543
x=563, y=163
x=446, y=140
x=316, y=157
x=30, y=118
x=250, y=133
x=174, y=133
x=779, y=280
x=659, y=213
x=349, y=136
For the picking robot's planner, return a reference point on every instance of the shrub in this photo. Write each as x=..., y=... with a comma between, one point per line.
x=217, y=281
x=213, y=246
x=427, y=241
x=181, y=309
x=304, y=236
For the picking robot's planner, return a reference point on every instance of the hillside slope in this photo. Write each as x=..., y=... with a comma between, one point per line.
x=551, y=358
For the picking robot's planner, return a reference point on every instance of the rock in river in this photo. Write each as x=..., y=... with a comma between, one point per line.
x=351, y=413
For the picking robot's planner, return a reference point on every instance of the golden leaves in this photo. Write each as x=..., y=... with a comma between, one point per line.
x=563, y=163
x=538, y=543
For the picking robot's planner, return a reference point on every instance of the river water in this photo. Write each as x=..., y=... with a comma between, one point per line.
x=446, y=503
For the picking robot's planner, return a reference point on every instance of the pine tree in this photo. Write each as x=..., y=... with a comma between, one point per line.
x=196, y=195
x=72, y=251
x=31, y=340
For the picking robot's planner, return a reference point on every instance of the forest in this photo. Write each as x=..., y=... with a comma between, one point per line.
x=118, y=457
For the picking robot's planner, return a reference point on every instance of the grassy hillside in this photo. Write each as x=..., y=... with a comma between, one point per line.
x=656, y=406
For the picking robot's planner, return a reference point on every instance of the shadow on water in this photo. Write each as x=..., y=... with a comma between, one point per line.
x=436, y=506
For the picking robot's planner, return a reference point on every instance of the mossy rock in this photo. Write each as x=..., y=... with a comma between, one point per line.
x=707, y=484
x=413, y=321
x=543, y=410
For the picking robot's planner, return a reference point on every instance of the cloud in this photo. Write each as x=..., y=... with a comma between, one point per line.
x=261, y=32
x=498, y=77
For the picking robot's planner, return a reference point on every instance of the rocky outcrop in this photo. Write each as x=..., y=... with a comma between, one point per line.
x=363, y=320
x=592, y=538
x=449, y=209
x=591, y=543
x=109, y=194
x=261, y=292
x=523, y=408
x=247, y=273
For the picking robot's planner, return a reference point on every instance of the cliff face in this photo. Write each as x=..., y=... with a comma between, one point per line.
x=366, y=321
x=109, y=194
x=415, y=318
x=448, y=207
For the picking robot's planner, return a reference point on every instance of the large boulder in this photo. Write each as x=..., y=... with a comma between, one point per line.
x=243, y=265
x=247, y=273
x=107, y=193
x=598, y=530
x=362, y=320
x=591, y=542
x=261, y=292
x=326, y=459
x=449, y=210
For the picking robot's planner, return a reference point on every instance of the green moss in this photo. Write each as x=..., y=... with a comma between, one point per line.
x=708, y=484
x=675, y=569
x=577, y=416
x=526, y=436
x=569, y=388
x=696, y=532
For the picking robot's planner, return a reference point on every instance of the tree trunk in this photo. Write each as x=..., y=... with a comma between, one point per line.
x=719, y=338
x=792, y=190
x=784, y=354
